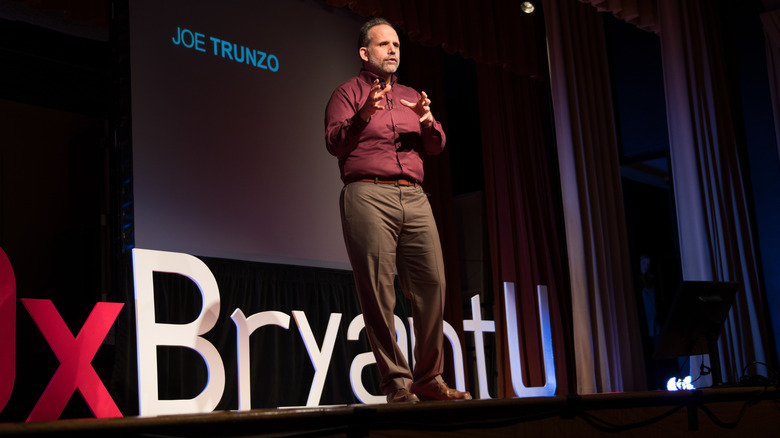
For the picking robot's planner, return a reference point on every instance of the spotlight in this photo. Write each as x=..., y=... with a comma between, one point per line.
x=527, y=7
x=675, y=384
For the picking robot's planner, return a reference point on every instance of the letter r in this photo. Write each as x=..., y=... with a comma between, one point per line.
x=7, y=329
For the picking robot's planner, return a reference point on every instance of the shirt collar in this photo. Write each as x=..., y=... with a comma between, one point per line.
x=369, y=77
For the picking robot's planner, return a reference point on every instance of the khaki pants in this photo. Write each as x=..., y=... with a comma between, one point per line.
x=387, y=226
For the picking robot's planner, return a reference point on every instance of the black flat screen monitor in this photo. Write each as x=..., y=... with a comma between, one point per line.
x=695, y=318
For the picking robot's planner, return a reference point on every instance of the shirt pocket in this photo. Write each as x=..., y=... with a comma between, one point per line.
x=406, y=120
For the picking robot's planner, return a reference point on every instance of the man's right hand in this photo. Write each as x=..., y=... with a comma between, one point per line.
x=374, y=102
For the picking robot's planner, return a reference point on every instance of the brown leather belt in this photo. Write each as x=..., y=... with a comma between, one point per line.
x=395, y=182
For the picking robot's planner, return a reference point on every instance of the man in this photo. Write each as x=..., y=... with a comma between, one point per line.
x=377, y=128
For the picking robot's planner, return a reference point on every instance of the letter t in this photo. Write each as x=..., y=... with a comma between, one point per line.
x=478, y=326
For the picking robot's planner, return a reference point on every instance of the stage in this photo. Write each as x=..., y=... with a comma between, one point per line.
x=738, y=411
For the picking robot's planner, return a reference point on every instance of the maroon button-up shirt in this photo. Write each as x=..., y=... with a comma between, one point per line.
x=390, y=144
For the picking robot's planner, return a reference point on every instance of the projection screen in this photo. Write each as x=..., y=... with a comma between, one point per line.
x=228, y=102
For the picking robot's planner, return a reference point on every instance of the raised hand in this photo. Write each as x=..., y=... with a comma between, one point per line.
x=422, y=108
x=374, y=101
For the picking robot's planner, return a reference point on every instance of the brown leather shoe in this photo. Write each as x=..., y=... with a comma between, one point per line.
x=402, y=395
x=435, y=390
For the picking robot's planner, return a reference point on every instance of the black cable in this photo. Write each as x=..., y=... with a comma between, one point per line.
x=758, y=380
x=606, y=426
x=752, y=400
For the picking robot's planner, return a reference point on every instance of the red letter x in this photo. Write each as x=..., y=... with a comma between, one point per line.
x=75, y=355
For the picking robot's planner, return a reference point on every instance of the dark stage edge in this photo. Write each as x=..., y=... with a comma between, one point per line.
x=744, y=412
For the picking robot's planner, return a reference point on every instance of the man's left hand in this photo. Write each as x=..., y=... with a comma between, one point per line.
x=423, y=109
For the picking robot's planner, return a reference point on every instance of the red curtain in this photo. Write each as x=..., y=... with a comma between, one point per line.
x=493, y=32
x=608, y=348
x=524, y=220
x=771, y=22
x=716, y=235
x=641, y=13
x=716, y=231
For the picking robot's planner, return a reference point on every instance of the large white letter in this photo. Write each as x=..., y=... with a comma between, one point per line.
x=150, y=334
x=457, y=356
x=364, y=359
x=548, y=390
x=245, y=327
x=320, y=357
x=478, y=326
x=457, y=352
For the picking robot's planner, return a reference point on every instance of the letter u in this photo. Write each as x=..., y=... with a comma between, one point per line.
x=238, y=50
x=513, y=339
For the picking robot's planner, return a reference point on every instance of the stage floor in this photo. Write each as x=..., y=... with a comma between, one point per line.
x=742, y=411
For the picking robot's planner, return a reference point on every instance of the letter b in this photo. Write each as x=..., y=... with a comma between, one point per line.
x=151, y=334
